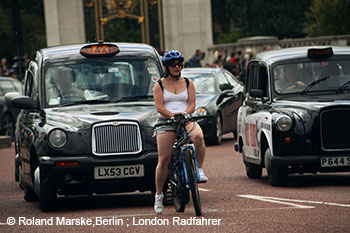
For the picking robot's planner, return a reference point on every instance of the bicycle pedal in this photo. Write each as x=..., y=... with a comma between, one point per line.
x=168, y=198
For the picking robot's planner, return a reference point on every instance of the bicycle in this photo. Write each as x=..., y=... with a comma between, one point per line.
x=183, y=169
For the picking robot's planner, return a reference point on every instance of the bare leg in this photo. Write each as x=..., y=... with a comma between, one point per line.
x=165, y=143
x=197, y=138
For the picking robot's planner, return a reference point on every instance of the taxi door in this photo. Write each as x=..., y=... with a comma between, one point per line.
x=27, y=123
x=256, y=109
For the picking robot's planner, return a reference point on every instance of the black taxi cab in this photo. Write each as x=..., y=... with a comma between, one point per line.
x=87, y=121
x=295, y=117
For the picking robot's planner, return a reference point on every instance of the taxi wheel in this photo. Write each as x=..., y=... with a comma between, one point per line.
x=47, y=198
x=29, y=195
x=20, y=177
x=277, y=176
x=16, y=171
x=216, y=139
x=253, y=171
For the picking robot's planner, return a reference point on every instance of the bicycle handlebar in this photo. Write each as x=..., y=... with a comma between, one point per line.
x=180, y=118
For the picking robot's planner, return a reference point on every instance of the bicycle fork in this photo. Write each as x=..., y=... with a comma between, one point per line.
x=195, y=163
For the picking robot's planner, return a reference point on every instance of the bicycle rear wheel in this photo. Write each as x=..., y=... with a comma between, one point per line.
x=193, y=181
x=178, y=187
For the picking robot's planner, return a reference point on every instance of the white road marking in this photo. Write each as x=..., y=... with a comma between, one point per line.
x=286, y=201
x=205, y=190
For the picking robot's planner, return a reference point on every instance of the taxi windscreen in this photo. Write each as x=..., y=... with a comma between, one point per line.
x=99, y=79
x=305, y=77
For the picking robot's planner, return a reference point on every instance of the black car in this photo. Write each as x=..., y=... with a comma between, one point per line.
x=87, y=120
x=219, y=94
x=295, y=117
x=8, y=113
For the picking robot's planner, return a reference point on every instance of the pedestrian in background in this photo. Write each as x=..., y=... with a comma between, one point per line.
x=195, y=61
x=12, y=73
x=4, y=68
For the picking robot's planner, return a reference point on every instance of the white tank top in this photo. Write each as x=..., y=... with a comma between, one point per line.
x=175, y=103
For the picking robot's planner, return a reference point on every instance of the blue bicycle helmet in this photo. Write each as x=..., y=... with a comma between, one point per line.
x=170, y=56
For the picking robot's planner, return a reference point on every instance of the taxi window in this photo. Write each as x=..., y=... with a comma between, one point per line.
x=295, y=77
x=252, y=81
x=100, y=79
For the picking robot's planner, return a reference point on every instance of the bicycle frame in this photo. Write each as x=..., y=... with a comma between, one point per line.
x=182, y=145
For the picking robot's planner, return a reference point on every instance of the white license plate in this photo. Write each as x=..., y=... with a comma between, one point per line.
x=335, y=161
x=127, y=171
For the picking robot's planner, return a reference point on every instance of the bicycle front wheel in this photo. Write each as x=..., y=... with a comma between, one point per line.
x=178, y=187
x=193, y=181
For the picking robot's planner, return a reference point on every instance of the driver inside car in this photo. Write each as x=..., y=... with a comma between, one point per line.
x=63, y=90
x=290, y=80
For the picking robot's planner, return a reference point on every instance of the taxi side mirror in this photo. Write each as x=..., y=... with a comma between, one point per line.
x=24, y=102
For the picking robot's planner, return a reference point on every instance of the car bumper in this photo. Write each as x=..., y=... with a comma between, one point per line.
x=306, y=163
x=208, y=126
x=80, y=179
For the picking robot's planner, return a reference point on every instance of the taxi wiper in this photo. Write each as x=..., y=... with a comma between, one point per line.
x=340, y=89
x=95, y=101
x=135, y=97
x=313, y=83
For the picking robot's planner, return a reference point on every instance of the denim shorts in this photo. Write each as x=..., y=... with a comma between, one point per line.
x=163, y=128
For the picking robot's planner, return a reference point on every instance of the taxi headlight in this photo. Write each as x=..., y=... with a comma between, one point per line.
x=284, y=123
x=200, y=112
x=58, y=138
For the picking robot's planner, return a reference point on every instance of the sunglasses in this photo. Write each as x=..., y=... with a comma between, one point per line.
x=180, y=64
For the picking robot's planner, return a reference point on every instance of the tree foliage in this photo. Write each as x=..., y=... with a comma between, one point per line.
x=33, y=28
x=329, y=17
x=260, y=18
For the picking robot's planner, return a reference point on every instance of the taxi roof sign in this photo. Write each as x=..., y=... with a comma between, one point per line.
x=320, y=53
x=100, y=49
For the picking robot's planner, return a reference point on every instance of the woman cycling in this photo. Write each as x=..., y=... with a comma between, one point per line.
x=174, y=94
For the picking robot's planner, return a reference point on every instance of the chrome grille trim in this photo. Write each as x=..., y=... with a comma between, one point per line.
x=116, y=138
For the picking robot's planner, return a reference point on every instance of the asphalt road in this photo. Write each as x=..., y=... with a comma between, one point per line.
x=230, y=203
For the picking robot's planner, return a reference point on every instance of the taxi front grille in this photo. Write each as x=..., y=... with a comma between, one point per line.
x=335, y=129
x=116, y=138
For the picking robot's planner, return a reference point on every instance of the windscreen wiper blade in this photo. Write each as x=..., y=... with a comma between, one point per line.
x=313, y=83
x=340, y=89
